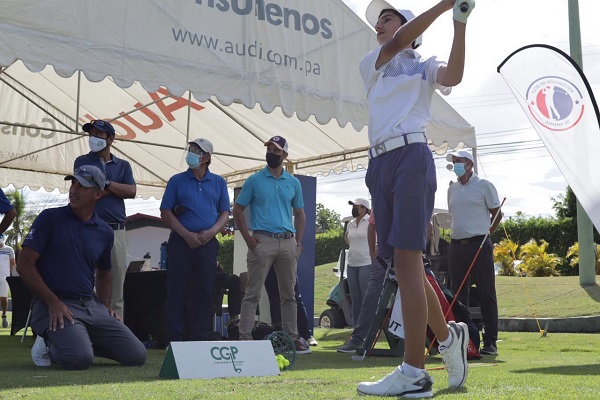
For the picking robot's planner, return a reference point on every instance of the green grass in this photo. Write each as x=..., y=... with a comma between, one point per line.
x=517, y=297
x=565, y=366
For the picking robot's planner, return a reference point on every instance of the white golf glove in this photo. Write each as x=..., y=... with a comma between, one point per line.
x=457, y=11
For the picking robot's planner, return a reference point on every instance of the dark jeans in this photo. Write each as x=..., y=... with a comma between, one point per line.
x=190, y=280
x=460, y=257
x=275, y=308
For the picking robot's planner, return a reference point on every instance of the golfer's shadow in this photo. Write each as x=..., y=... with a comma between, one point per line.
x=586, y=369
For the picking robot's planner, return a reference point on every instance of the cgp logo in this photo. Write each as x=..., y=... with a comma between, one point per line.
x=226, y=354
x=555, y=103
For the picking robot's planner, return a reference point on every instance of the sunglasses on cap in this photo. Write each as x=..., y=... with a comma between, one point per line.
x=87, y=175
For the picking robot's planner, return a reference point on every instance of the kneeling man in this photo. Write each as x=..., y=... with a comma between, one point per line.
x=67, y=252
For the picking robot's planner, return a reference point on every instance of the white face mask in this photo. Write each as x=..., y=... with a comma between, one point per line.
x=97, y=144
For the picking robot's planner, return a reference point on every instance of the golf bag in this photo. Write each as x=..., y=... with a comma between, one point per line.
x=459, y=313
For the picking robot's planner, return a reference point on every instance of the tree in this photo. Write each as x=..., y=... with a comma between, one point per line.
x=327, y=219
x=536, y=261
x=565, y=205
x=26, y=214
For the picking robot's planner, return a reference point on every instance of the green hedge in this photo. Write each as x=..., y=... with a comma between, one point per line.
x=328, y=247
x=226, y=252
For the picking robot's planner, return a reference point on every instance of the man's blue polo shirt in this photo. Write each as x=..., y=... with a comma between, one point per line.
x=203, y=199
x=70, y=250
x=271, y=200
x=110, y=209
x=5, y=204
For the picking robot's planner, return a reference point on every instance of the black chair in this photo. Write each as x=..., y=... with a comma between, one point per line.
x=21, y=303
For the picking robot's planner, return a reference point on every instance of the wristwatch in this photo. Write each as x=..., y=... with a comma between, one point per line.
x=106, y=184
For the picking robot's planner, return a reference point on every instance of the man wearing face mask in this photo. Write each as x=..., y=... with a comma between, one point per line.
x=272, y=195
x=111, y=206
x=192, y=248
x=473, y=203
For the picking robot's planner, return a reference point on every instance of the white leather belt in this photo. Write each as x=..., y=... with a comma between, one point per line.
x=392, y=144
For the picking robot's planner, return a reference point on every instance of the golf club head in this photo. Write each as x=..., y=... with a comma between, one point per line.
x=359, y=355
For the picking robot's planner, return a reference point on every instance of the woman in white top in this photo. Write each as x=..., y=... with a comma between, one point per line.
x=359, y=258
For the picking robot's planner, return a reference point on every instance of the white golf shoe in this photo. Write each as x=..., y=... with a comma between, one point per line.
x=398, y=385
x=39, y=353
x=455, y=355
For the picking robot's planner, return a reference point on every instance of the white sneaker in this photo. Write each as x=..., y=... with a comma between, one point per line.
x=396, y=384
x=455, y=355
x=39, y=353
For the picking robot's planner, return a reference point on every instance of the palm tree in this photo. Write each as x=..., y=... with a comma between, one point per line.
x=15, y=235
x=505, y=253
x=536, y=261
x=26, y=214
x=573, y=254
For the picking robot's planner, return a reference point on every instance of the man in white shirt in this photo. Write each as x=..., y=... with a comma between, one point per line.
x=473, y=203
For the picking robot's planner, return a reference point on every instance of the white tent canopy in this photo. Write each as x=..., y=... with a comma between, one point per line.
x=126, y=49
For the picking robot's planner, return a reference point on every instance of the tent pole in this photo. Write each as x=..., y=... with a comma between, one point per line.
x=77, y=101
x=189, y=116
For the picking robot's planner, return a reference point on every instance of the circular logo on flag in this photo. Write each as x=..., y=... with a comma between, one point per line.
x=555, y=103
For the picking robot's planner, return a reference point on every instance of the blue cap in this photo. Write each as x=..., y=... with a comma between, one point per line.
x=101, y=125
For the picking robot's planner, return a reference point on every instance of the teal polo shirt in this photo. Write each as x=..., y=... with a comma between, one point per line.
x=271, y=200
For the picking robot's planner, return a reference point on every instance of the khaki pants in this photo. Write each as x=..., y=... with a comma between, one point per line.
x=119, y=270
x=282, y=253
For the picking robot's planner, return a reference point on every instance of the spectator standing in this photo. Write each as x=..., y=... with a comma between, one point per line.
x=473, y=203
x=272, y=194
x=196, y=207
x=359, y=258
x=111, y=206
x=7, y=263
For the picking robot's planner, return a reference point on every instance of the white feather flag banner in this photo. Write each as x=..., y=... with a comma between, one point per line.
x=558, y=100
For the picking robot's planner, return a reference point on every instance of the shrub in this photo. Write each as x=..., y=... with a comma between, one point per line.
x=328, y=246
x=536, y=261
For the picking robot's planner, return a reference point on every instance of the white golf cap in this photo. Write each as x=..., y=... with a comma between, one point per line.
x=459, y=154
x=374, y=10
x=204, y=144
x=360, y=202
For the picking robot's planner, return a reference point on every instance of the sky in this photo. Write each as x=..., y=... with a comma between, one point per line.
x=510, y=153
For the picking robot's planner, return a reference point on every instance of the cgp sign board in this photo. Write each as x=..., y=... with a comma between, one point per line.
x=206, y=360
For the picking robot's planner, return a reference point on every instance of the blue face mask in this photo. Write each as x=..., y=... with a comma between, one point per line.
x=192, y=160
x=459, y=169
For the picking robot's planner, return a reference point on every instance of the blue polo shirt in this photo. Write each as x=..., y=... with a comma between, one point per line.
x=5, y=204
x=203, y=199
x=110, y=209
x=70, y=250
x=271, y=200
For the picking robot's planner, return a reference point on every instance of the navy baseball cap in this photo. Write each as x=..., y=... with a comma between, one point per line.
x=88, y=176
x=279, y=142
x=101, y=125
